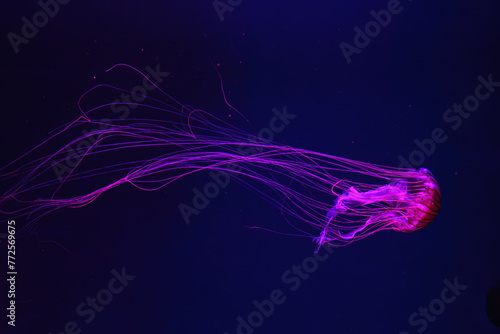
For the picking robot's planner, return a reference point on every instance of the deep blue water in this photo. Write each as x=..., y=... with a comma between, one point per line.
x=373, y=105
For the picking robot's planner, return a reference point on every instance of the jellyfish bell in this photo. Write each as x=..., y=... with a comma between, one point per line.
x=425, y=201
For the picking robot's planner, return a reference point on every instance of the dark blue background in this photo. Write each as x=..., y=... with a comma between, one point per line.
x=199, y=278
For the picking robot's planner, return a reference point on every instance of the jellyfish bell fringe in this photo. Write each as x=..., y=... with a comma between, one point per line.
x=328, y=199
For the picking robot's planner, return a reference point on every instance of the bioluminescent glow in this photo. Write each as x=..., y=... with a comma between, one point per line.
x=330, y=199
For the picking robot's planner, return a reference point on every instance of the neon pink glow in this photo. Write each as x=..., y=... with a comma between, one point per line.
x=336, y=200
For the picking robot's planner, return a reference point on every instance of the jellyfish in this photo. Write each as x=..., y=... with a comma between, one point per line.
x=328, y=199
